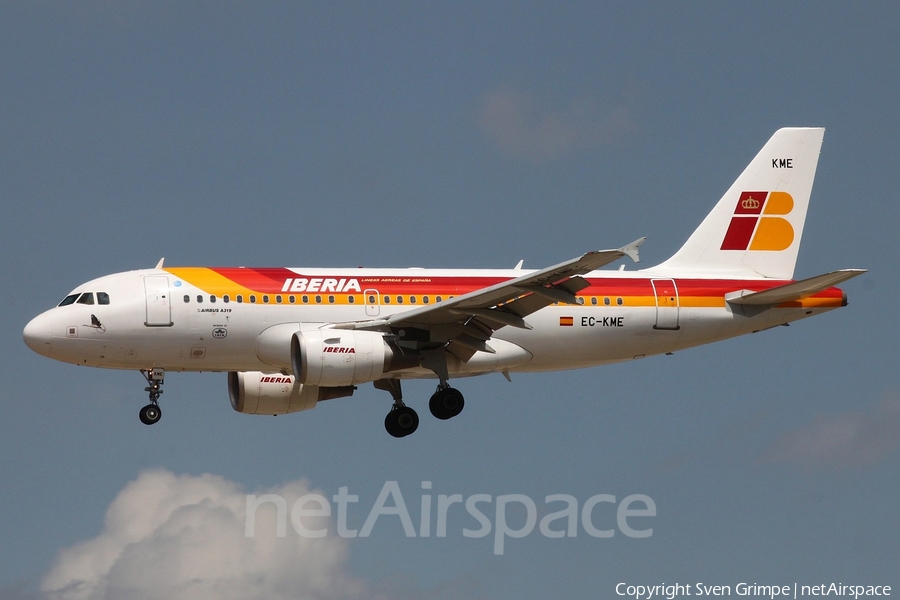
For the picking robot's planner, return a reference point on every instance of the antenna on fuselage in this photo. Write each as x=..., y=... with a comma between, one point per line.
x=159, y=265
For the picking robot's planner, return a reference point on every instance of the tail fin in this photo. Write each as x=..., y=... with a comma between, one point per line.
x=755, y=229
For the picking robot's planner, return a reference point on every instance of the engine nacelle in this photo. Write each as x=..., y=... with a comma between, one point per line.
x=339, y=357
x=255, y=393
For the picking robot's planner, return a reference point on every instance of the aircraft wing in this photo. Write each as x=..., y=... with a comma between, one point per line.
x=466, y=322
x=797, y=290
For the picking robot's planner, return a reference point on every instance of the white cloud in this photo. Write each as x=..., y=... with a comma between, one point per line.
x=851, y=439
x=520, y=128
x=182, y=537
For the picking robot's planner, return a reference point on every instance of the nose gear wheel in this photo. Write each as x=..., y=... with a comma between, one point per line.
x=151, y=413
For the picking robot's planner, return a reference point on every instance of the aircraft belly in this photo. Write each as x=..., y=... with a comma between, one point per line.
x=574, y=337
x=563, y=337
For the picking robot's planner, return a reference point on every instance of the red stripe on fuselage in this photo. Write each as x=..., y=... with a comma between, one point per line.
x=271, y=281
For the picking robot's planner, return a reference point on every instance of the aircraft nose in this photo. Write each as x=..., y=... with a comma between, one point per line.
x=37, y=334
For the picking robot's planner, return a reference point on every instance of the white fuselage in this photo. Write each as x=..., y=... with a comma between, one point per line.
x=223, y=336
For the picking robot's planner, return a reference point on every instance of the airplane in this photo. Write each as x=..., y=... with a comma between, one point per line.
x=289, y=338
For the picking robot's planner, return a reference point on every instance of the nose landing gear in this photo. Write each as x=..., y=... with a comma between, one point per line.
x=151, y=413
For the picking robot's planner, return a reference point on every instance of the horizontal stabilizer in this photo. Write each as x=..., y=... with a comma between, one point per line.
x=790, y=292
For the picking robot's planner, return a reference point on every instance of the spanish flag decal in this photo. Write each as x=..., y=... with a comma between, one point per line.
x=566, y=321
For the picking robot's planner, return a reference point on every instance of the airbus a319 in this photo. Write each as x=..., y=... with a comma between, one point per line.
x=289, y=338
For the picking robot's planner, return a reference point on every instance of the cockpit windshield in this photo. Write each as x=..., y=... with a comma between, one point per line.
x=70, y=299
x=85, y=298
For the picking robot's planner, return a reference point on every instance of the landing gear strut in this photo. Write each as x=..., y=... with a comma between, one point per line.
x=151, y=413
x=402, y=420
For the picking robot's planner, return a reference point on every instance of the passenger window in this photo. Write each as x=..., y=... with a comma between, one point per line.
x=412, y=299
x=580, y=300
x=594, y=300
x=606, y=301
x=292, y=299
x=619, y=301
x=278, y=299
x=239, y=298
x=252, y=298
x=318, y=299
x=371, y=299
x=69, y=300
x=199, y=299
x=102, y=298
x=425, y=300
x=351, y=299
x=86, y=298
x=305, y=299
x=212, y=298
x=399, y=299
x=330, y=299
x=187, y=298
x=265, y=299
x=438, y=299
x=226, y=299
x=387, y=299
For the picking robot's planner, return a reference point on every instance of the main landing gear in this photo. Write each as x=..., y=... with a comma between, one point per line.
x=446, y=403
x=402, y=420
x=151, y=413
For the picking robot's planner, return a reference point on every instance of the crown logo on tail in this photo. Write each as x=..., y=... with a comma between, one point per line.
x=750, y=203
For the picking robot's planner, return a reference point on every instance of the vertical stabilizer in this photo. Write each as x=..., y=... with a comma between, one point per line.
x=755, y=229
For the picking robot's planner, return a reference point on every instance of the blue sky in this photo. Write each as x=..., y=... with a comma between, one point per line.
x=447, y=135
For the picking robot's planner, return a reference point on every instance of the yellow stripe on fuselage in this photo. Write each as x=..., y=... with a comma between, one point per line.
x=209, y=281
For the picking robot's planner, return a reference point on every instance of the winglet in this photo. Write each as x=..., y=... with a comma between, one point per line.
x=631, y=250
x=159, y=265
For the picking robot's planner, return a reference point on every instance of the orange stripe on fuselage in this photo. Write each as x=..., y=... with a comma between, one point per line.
x=692, y=293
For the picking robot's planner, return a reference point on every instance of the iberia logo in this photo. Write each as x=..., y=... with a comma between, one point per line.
x=756, y=224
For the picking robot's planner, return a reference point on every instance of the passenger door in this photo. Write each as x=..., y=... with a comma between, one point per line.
x=159, y=305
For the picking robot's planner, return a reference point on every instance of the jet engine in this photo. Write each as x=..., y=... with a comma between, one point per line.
x=332, y=357
x=255, y=393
